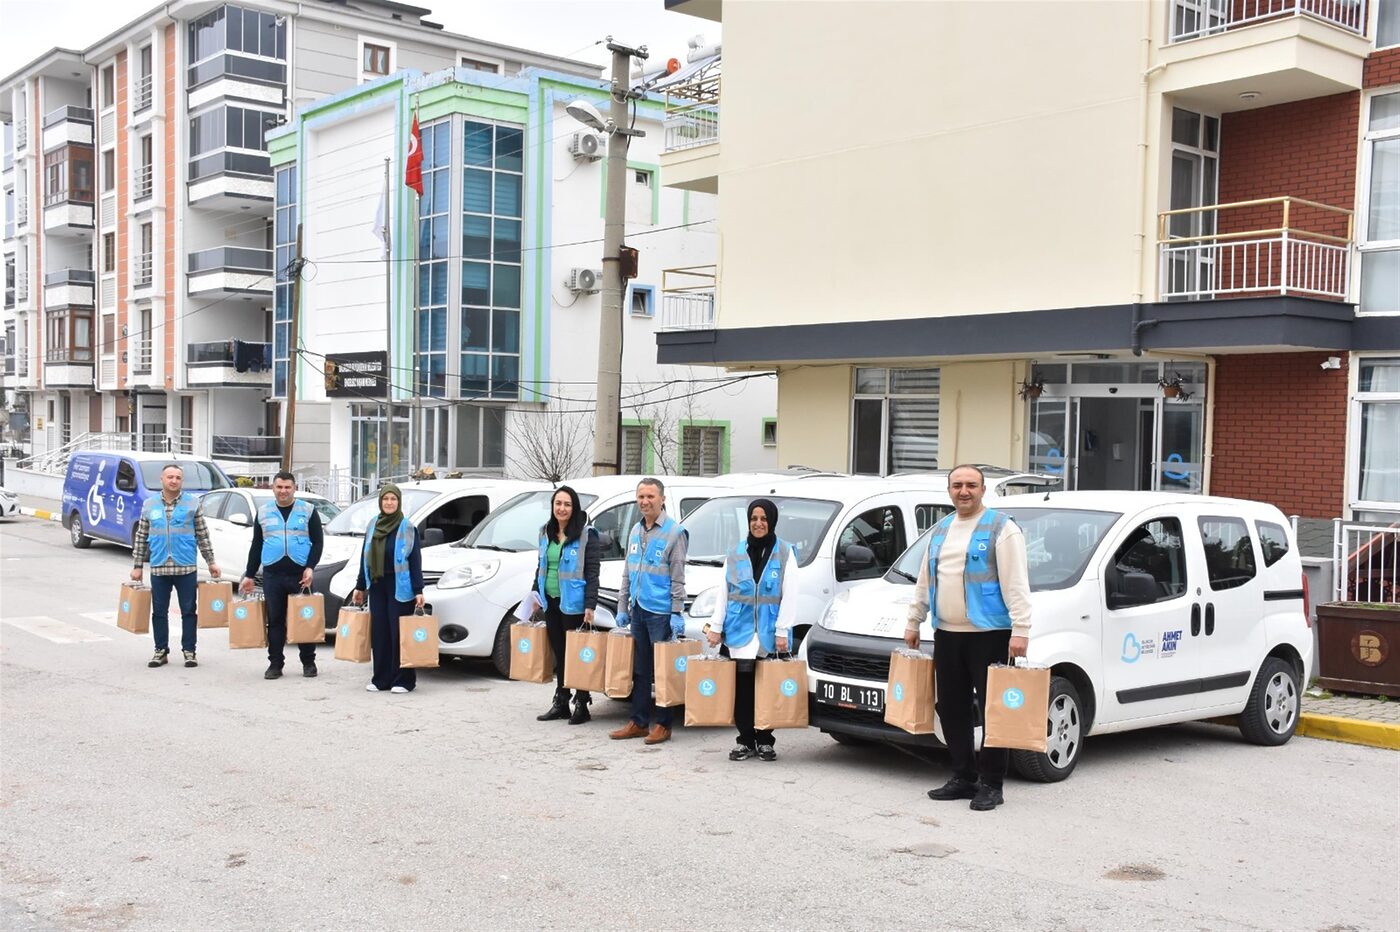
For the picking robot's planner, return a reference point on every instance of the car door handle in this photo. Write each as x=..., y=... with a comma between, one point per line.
x=1210, y=618
x=1195, y=619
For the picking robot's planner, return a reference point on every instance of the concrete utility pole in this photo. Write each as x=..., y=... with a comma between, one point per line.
x=293, y=359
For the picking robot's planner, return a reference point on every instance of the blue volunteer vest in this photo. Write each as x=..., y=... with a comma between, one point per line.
x=403, y=546
x=985, y=606
x=175, y=537
x=753, y=607
x=288, y=538
x=572, y=585
x=649, y=573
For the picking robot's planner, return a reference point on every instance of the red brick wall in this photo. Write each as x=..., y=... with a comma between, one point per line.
x=1280, y=431
x=1382, y=68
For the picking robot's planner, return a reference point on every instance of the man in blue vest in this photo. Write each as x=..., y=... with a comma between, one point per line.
x=977, y=581
x=287, y=542
x=170, y=532
x=652, y=594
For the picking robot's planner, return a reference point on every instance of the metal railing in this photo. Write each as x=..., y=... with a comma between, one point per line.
x=21, y=285
x=184, y=441
x=144, y=263
x=1366, y=563
x=144, y=183
x=55, y=460
x=144, y=357
x=1308, y=256
x=143, y=93
x=21, y=210
x=688, y=298
x=1192, y=19
x=256, y=357
x=21, y=134
x=692, y=111
x=66, y=114
x=64, y=354
x=230, y=258
x=231, y=446
x=70, y=277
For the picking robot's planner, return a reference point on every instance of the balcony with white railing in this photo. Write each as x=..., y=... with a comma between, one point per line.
x=142, y=354
x=67, y=126
x=1192, y=19
x=691, y=144
x=21, y=135
x=143, y=94
x=21, y=213
x=688, y=298
x=142, y=268
x=69, y=288
x=143, y=183
x=1270, y=246
x=230, y=363
x=228, y=180
x=229, y=271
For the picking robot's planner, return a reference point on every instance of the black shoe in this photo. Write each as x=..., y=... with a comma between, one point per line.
x=161, y=658
x=558, y=709
x=956, y=788
x=742, y=752
x=274, y=671
x=308, y=669
x=766, y=752
x=189, y=658
x=581, y=713
x=988, y=797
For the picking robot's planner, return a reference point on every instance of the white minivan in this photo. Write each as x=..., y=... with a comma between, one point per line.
x=1148, y=607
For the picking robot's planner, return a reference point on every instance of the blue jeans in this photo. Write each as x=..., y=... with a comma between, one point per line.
x=186, y=587
x=647, y=629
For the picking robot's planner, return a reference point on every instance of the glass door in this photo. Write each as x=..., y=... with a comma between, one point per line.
x=1050, y=446
x=1179, y=467
x=1189, y=268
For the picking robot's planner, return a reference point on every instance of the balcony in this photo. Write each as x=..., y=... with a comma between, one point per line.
x=142, y=184
x=21, y=213
x=143, y=94
x=1303, y=248
x=245, y=456
x=688, y=298
x=67, y=126
x=21, y=135
x=142, y=271
x=690, y=153
x=228, y=181
x=229, y=363
x=230, y=271
x=69, y=287
x=142, y=355
x=1275, y=50
x=67, y=214
x=232, y=75
x=68, y=368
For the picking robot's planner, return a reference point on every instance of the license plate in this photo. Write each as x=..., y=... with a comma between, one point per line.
x=865, y=698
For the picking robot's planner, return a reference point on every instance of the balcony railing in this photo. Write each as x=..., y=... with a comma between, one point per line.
x=257, y=70
x=1192, y=19
x=231, y=258
x=9, y=365
x=66, y=114
x=144, y=358
x=63, y=354
x=21, y=210
x=687, y=298
x=21, y=286
x=143, y=93
x=143, y=270
x=692, y=110
x=230, y=163
x=1223, y=251
x=235, y=447
x=143, y=182
x=238, y=354
x=21, y=134
x=70, y=277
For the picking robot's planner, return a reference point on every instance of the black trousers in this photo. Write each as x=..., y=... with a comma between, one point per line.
x=745, y=684
x=556, y=623
x=276, y=588
x=384, y=614
x=961, y=660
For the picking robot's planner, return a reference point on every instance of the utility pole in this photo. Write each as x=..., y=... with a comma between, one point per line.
x=387, y=447
x=293, y=360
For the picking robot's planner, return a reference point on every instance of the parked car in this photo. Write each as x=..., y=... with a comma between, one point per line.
x=103, y=492
x=230, y=514
x=9, y=503
x=1148, y=607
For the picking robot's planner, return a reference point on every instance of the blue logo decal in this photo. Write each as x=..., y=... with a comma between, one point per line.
x=680, y=664
x=217, y=605
x=587, y=655
x=898, y=692
x=1013, y=698
x=524, y=645
x=1132, y=650
x=1053, y=454
x=307, y=611
x=1178, y=476
x=789, y=687
x=420, y=634
x=240, y=612
x=707, y=687
x=126, y=606
x=345, y=631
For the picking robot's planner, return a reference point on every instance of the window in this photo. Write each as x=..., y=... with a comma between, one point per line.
x=109, y=86
x=614, y=526
x=126, y=474
x=1380, y=248
x=284, y=239
x=492, y=214
x=109, y=170
x=473, y=64
x=109, y=252
x=455, y=519
x=704, y=450
x=374, y=59
x=1375, y=415
x=233, y=29
x=634, y=449
x=870, y=544
x=1154, y=549
x=434, y=214
x=895, y=421
x=237, y=505
x=481, y=433
x=1388, y=23
x=641, y=300
x=926, y=516
x=770, y=432
x=641, y=178
x=212, y=505
x=1273, y=540
x=1229, y=553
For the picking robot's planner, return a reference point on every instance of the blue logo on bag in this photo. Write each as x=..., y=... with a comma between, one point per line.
x=524, y=645
x=680, y=664
x=789, y=687
x=307, y=611
x=586, y=655
x=345, y=631
x=1013, y=698
x=420, y=634
x=707, y=687
x=126, y=606
x=240, y=612
x=217, y=605
x=898, y=692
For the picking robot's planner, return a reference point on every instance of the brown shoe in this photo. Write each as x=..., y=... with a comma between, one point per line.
x=659, y=733
x=630, y=730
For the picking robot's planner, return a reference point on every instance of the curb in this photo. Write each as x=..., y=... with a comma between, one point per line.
x=40, y=514
x=1349, y=730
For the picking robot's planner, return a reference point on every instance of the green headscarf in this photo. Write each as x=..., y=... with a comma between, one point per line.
x=385, y=526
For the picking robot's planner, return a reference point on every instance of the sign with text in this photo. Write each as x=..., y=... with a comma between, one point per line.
x=357, y=375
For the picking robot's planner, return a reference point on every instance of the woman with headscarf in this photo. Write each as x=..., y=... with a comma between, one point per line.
x=567, y=586
x=755, y=612
x=391, y=571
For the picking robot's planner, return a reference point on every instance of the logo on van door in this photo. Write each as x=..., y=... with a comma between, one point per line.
x=1171, y=640
x=1132, y=650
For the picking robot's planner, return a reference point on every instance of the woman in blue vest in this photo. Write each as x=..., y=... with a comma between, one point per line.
x=391, y=570
x=754, y=615
x=567, y=584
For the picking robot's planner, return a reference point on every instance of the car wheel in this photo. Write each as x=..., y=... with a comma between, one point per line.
x=75, y=532
x=1271, y=715
x=500, y=649
x=850, y=741
x=1064, y=737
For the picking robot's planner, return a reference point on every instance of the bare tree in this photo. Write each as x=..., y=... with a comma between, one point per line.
x=549, y=444
x=666, y=409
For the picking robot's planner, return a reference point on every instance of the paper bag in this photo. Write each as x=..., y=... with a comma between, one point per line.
x=352, y=635
x=418, y=641
x=1018, y=705
x=780, y=694
x=306, y=618
x=531, y=659
x=247, y=623
x=214, y=598
x=134, y=608
x=617, y=674
x=909, y=693
x=670, y=659
x=585, y=659
x=709, y=690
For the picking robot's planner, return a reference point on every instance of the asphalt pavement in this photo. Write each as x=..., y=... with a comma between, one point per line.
x=208, y=798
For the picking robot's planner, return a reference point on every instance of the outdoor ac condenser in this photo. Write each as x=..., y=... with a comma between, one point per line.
x=585, y=281
x=587, y=147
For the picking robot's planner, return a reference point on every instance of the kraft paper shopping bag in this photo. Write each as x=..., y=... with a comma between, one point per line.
x=306, y=618
x=670, y=659
x=214, y=598
x=780, y=694
x=134, y=609
x=709, y=690
x=531, y=659
x=618, y=672
x=418, y=641
x=909, y=692
x=352, y=635
x=247, y=623
x=585, y=659
x=1018, y=705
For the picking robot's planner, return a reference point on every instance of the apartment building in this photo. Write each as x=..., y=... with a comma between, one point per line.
x=139, y=235
x=1144, y=245
x=469, y=340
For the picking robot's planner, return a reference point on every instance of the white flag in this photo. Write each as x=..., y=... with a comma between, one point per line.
x=379, y=231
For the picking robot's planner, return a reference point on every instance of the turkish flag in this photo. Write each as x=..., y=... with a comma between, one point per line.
x=413, y=171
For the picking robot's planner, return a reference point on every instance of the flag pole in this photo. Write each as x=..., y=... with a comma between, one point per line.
x=415, y=427
x=386, y=448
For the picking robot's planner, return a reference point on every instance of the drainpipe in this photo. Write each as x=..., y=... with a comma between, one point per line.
x=1144, y=149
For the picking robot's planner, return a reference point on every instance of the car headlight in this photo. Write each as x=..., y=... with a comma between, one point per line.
x=469, y=574
x=705, y=602
x=832, y=614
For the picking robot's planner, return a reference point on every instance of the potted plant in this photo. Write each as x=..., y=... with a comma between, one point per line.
x=1030, y=391
x=1174, y=386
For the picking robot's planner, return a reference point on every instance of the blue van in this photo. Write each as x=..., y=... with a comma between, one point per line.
x=103, y=491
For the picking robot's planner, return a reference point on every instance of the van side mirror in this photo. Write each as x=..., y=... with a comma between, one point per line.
x=433, y=536
x=241, y=520
x=858, y=557
x=1131, y=588
x=605, y=541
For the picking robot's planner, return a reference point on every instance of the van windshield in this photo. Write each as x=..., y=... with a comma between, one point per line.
x=516, y=524
x=199, y=477
x=353, y=520
x=1059, y=543
x=717, y=526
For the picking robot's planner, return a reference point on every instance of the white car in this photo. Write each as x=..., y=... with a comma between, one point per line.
x=1148, y=607
x=230, y=514
x=9, y=503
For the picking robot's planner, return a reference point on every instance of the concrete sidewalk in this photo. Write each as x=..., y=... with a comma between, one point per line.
x=46, y=509
x=1353, y=719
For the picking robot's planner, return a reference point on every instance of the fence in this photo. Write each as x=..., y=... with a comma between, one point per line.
x=1366, y=563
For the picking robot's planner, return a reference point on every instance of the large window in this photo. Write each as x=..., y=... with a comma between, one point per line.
x=1229, y=552
x=704, y=449
x=1380, y=248
x=481, y=437
x=434, y=246
x=68, y=175
x=894, y=421
x=375, y=59
x=1376, y=434
x=1388, y=23
x=492, y=211
x=234, y=29
x=1154, y=549
x=285, y=237
x=69, y=336
x=109, y=86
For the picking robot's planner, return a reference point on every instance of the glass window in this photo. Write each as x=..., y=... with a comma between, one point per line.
x=353, y=520
x=1154, y=548
x=926, y=516
x=473, y=64
x=1273, y=540
x=126, y=476
x=375, y=59
x=1229, y=552
x=200, y=475
x=614, y=525
x=212, y=505
x=720, y=523
x=109, y=85
x=109, y=170
x=879, y=531
x=895, y=421
x=1388, y=23
x=1380, y=252
x=516, y=524
x=703, y=450
x=1378, y=414
x=237, y=505
x=284, y=233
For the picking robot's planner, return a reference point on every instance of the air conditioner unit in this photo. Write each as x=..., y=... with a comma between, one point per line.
x=587, y=147
x=585, y=281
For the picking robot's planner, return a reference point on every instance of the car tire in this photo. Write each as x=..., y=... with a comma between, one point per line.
x=850, y=741
x=1064, y=741
x=500, y=648
x=75, y=532
x=1271, y=715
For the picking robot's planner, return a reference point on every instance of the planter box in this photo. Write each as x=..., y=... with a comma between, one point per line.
x=1359, y=648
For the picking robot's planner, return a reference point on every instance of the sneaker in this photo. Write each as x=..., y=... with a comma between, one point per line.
x=274, y=671
x=371, y=688
x=161, y=658
x=766, y=752
x=308, y=669
x=742, y=752
x=956, y=788
x=398, y=689
x=189, y=658
x=987, y=798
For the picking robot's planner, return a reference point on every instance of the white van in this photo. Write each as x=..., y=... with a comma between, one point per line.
x=1148, y=607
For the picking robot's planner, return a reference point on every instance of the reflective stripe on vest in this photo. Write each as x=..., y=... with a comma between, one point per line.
x=572, y=584
x=753, y=608
x=289, y=538
x=649, y=572
x=172, y=541
x=981, y=586
x=403, y=546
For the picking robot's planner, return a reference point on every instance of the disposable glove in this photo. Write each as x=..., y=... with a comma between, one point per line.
x=622, y=620
x=677, y=625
